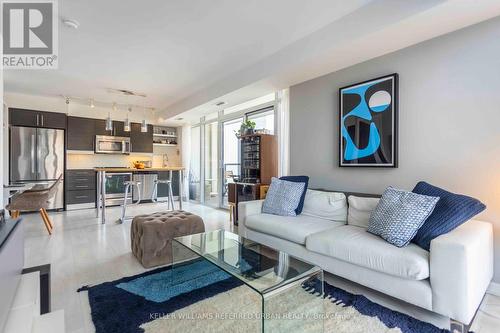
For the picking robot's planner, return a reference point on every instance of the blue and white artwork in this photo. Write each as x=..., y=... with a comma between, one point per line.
x=368, y=123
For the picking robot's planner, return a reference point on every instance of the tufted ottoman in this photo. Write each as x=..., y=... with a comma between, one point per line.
x=151, y=235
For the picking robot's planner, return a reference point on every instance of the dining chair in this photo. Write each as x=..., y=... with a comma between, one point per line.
x=35, y=199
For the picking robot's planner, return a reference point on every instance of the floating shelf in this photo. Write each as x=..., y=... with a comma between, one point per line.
x=164, y=135
x=164, y=144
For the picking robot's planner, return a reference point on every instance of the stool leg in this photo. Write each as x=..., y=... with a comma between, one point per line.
x=45, y=221
x=170, y=196
x=154, y=197
x=230, y=213
x=139, y=197
x=124, y=206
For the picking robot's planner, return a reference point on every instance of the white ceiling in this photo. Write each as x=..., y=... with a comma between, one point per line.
x=186, y=55
x=169, y=49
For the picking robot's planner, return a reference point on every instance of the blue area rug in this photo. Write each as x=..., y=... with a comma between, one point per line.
x=124, y=305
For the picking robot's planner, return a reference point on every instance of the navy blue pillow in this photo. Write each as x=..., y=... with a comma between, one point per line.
x=298, y=179
x=451, y=211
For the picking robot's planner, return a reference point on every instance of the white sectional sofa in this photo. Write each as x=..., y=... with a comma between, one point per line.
x=450, y=279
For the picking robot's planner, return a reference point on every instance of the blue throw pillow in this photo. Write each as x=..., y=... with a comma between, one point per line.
x=451, y=211
x=282, y=197
x=299, y=179
x=399, y=214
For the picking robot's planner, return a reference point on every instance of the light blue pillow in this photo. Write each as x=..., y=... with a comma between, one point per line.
x=283, y=197
x=399, y=214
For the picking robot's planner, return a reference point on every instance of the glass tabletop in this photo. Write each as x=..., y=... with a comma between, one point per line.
x=258, y=266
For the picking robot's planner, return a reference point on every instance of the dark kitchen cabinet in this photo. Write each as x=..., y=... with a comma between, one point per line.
x=34, y=118
x=53, y=120
x=80, y=186
x=20, y=117
x=119, y=129
x=141, y=142
x=163, y=188
x=100, y=127
x=81, y=133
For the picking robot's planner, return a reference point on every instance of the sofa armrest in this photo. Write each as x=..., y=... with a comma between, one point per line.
x=247, y=208
x=461, y=268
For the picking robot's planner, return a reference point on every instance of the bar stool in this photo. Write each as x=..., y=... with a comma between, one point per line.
x=128, y=184
x=170, y=199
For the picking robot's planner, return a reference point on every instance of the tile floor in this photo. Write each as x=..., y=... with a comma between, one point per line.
x=82, y=251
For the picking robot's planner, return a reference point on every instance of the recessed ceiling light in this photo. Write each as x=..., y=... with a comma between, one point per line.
x=71, y=23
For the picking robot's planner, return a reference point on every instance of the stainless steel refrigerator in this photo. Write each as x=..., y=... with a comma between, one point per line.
x=37, y=156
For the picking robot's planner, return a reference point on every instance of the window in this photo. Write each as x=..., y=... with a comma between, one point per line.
x=263, y=120
x=194, y=165
x=230, y=154
x=210, y=147
x=215, y=149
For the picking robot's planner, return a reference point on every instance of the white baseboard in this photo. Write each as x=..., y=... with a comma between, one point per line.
x=494, y=289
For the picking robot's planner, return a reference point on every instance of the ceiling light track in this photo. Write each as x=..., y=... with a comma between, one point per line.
x=92, y=103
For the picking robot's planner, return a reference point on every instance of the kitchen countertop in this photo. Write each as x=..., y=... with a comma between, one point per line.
x=139, y=170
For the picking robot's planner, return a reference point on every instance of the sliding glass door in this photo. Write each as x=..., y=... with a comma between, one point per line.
x=230, y=155
x=195, y=165
x=215, y=149
x=211, y=167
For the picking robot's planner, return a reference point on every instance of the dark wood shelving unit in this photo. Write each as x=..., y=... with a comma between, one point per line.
x=259, y=163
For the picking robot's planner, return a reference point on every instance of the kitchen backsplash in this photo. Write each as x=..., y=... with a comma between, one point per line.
x=89, y=161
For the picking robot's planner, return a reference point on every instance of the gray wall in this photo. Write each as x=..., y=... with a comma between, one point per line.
x=449, y=127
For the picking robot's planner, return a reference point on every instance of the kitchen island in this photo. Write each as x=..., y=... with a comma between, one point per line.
x=101, y=183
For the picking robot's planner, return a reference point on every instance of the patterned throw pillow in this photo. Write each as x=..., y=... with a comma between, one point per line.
x=299, y=179
x=399, y=215
x=283, y=197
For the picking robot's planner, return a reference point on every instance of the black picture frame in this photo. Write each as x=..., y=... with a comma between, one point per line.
x=386, y=153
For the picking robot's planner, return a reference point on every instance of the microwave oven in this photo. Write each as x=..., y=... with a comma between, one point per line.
x=105, y=144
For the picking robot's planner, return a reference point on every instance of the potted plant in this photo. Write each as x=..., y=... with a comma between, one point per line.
x=247, y=128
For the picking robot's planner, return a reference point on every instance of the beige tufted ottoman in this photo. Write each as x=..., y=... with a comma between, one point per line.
x=151, y=235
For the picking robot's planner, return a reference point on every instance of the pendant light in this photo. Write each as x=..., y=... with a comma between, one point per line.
x=109, y=121
x=144, y=126
x=67, y=106
x=126, y=126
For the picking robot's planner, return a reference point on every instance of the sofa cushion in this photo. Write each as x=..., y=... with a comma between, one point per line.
x=451, y=211
x=283, y=197
x=360, y=209
x=326, y=205
x=299, y=179
x=294, y=229
x=399, y=215
x=355, y=245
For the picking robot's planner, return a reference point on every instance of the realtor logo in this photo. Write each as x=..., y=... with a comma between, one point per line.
x=29, y=32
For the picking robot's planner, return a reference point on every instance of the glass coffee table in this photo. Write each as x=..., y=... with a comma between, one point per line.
x=287, y=290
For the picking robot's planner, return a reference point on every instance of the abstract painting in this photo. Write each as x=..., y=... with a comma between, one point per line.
x=369, y=123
